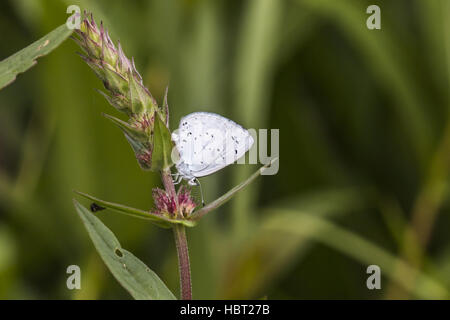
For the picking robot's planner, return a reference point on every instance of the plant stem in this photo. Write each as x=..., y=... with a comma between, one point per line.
x=183, y=262
x=168, y=184
x=179, y=233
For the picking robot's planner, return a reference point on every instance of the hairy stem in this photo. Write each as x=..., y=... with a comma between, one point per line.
x=179, y=233
x=183, y=262
x=168, y=184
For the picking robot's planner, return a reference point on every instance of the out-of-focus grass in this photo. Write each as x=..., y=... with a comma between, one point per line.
x=362, y=117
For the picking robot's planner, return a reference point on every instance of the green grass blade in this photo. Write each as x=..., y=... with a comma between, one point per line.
x=351, y=244
x=257, y=49
x=141, y=282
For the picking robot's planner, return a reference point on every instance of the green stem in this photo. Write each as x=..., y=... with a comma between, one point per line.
x=227, y=196
x=179, y=233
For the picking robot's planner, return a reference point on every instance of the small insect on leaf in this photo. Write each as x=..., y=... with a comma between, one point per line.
x=95, y=207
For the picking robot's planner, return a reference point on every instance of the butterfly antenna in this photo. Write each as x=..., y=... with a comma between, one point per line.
x=201, y=190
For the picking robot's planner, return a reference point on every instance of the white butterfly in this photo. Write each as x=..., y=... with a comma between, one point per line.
x=206, y=143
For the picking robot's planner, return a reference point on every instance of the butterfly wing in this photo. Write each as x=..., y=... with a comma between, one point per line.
x=208, y=142
x=235, y=143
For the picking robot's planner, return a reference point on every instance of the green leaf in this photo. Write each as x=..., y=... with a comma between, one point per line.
x=160, y=221
x=26, y=58
x=141, y=282
x=227, y=196
x=162, y=146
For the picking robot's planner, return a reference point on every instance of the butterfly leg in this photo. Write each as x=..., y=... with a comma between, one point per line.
x=196, y=182
x=177, y=180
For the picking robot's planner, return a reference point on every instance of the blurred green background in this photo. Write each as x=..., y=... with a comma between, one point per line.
x=364, y=144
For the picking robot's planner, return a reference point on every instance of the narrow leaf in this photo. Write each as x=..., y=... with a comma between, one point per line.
x=26, y=58
x=227, y=196
x=165, y=107
x=162, y=146
x=159, y=220
x=141, y=282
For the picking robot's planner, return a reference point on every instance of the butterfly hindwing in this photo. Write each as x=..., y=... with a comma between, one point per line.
x=208, y=142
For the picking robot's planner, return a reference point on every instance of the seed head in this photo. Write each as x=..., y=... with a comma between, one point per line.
x=125, y=89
